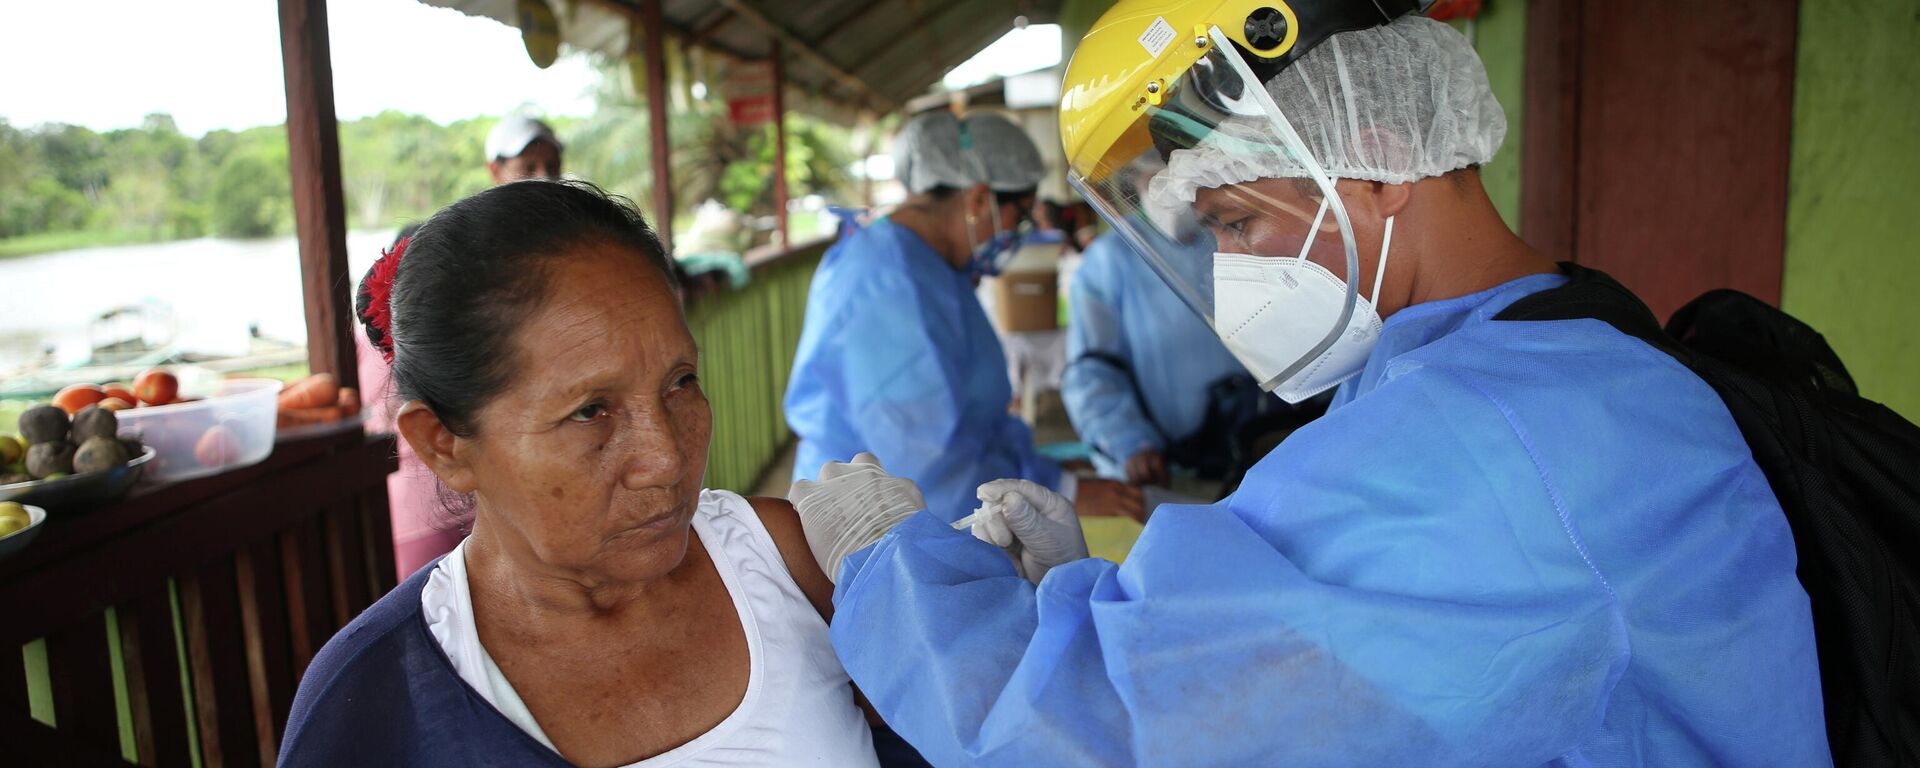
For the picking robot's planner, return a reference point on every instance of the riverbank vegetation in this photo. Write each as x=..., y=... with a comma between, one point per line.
x=66, y=186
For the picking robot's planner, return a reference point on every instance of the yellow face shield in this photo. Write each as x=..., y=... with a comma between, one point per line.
x=1216, y=175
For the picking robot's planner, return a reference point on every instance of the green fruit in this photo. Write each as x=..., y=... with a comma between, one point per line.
x=13, y=517
x=11, y=449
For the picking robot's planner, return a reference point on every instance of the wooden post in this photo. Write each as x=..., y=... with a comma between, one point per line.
x=1549, y=159
x=319, y=208
x=779, y=140
x=654, y=27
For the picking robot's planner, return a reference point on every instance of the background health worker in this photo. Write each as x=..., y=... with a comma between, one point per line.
x=1141, y=369
x=897, y=357
x=1507, y=543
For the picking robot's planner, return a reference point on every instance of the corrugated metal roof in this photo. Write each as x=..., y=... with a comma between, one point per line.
x=886, y=51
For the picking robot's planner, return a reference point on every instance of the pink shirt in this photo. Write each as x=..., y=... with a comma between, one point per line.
x=422, y=529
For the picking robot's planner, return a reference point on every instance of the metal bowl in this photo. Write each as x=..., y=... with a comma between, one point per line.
x=79, y=491
x=18, y=540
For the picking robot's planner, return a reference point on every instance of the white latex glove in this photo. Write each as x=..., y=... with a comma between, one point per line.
x=850, y=506
x=1036, y=526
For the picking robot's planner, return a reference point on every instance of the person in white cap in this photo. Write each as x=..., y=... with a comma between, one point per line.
x=520, y=147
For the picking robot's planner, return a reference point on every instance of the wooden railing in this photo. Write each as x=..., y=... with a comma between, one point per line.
x=172, y=628
x=747, y=340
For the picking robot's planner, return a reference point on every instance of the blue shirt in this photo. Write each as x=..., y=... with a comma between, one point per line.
x=1508, y=543
x=897, y=358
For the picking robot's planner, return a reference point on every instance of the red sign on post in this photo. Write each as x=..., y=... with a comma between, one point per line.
x=750, y=94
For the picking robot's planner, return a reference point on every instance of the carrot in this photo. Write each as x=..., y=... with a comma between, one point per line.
x=350, y=401
x=318, y=390
x=298, y=417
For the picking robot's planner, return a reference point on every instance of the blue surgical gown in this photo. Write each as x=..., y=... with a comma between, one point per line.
x=897, y=358
x=1507, y=544
x=1121, y=309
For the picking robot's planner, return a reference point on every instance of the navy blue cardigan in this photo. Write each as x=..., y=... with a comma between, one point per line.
x=383, y=693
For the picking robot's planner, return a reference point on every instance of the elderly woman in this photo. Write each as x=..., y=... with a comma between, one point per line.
x=605, y=610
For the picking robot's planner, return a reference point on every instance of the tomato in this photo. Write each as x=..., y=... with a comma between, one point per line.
x=116, y=404
x=78, y=396
x=156, y=387
x=217, y=447
x=122, y=391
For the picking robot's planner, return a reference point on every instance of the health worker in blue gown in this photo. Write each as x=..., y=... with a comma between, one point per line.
x=897, y=357
x=1507, y=543
x=1145, y=374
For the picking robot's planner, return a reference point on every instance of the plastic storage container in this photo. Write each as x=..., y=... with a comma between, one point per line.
x=230, y=427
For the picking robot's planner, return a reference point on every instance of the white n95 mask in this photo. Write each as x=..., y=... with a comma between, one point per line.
x=1272, y=312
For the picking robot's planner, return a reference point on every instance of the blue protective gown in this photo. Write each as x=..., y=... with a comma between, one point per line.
x=897, y=358
x=1507, y=544
x=1122, y=309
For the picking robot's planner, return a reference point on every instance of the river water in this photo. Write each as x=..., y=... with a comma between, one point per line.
x=217, y=288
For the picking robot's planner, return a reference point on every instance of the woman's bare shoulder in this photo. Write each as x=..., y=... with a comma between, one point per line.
x=790, y=537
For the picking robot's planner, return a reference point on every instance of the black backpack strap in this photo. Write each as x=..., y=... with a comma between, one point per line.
x=1592, y=294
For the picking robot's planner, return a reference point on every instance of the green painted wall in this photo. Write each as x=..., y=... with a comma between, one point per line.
x=1853, y=266
x=1500, y=34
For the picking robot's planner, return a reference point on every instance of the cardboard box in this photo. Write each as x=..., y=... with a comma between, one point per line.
x=1027, y=301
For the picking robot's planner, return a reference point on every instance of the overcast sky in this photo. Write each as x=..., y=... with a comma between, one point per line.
x=216, y=63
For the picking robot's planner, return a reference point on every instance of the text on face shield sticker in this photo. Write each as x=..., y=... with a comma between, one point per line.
x=1157, y=36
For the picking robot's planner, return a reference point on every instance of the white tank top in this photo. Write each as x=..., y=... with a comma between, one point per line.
x=798, y=709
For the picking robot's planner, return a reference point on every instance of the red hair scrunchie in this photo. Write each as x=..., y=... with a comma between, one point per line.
x=380, y=296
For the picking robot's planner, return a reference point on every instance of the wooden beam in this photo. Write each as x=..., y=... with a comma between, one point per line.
x=800, y=48
x=653, y=28
x=701, y=33
x=844, y=23
x=868, y=96
x=926, y=21
x=779, y=140
x=319, y=207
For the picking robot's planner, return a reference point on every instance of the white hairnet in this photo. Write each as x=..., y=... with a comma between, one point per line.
x=928, y=153
x=1393, y=104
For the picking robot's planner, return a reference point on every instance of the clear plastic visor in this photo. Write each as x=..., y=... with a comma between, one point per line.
x=1224, y=173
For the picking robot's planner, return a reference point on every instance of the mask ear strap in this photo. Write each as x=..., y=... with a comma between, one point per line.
x=1386, y=241
x=1314, y=231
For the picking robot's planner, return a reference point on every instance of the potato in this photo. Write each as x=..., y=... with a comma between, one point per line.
x=94, y=421
x=55, y=458
x=99, y=454
x=44, y=424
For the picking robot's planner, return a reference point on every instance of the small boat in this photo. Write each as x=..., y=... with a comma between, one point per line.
x=131, y=338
